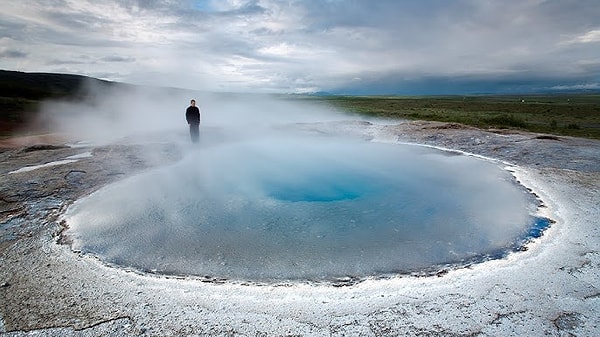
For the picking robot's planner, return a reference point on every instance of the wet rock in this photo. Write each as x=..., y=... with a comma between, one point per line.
x=75, y=176
x=548, y=137
x=43, y=147
x=9, y=207
x=568, y=321
x=441, y=273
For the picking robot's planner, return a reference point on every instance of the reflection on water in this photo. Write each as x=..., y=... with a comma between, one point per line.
x=299, y=208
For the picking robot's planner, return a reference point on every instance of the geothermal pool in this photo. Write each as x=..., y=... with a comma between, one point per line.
x=307, y=208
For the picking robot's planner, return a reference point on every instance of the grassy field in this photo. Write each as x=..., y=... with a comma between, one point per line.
x=575, y=115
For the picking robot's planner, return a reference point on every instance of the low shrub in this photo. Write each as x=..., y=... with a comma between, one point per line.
x=506, y=121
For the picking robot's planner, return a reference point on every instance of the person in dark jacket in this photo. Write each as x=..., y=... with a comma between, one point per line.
x=192, y=116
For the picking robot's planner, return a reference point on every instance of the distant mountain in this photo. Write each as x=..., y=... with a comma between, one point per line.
x=21, y=94
x=38, y=86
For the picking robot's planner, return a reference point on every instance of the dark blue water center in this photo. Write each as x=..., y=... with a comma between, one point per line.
x=324, y=185
x=306, y=208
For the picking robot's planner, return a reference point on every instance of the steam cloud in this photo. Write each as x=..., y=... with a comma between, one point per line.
x=266, y=197
x=111, y=114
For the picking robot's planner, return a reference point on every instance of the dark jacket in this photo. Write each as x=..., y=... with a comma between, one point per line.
x=192, y=115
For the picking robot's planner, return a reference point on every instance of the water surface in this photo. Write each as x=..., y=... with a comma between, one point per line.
x=305, y=208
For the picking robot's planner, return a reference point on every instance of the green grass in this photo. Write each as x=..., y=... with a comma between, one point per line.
x=576, y=115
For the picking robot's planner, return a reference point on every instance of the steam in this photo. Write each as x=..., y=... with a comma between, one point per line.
x=270, y=193
x=109, y=114
x=288, y=205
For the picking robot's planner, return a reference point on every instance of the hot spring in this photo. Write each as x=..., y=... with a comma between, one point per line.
x=295, y=207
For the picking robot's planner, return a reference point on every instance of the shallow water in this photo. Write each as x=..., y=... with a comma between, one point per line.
x=315, y=208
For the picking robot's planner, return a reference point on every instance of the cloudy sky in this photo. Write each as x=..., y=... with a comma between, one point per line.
x=338, y=46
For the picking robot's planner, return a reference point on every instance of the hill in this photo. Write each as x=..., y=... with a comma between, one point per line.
x=21, y=94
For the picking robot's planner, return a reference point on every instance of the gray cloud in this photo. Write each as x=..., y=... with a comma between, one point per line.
x=57, y=62
x=117, y=58
x=294, y=45
x=11, y=53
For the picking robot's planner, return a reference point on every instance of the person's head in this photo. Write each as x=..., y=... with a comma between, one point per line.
x=193, y=102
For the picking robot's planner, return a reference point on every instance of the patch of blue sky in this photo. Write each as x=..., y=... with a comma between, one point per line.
x=204, y=5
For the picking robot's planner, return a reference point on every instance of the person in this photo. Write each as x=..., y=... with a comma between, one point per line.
x=192, y=116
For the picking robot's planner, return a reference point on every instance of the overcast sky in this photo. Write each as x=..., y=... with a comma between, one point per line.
x=339, y=46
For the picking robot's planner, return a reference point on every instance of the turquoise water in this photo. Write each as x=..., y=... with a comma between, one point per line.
x=298, y=208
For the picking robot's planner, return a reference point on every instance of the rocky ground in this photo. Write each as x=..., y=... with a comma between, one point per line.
x=552, y=288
